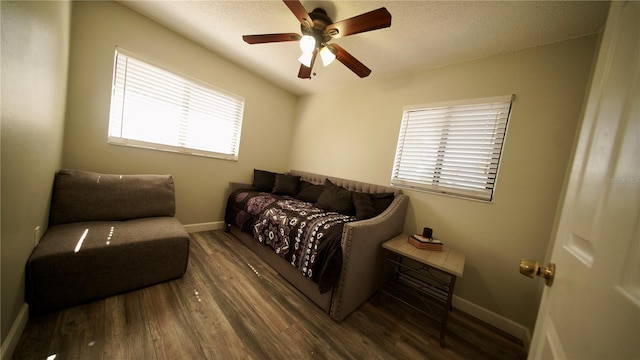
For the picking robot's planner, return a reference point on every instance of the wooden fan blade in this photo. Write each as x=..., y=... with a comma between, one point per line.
x=300, y=12
x=269, y=38
x=373, y=20
x=305, y=72
x=351, y=62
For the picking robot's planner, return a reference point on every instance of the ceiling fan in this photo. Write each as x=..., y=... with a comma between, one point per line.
x=318, y=29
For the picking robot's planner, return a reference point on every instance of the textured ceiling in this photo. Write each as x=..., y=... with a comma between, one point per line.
x=423, y=34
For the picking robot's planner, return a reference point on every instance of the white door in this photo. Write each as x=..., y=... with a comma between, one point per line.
x=592, y=309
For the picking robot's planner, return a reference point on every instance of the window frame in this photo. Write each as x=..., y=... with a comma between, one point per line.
x=115, y=133
x=478, y=179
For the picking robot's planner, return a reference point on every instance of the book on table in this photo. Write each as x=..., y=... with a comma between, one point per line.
x=422, y=242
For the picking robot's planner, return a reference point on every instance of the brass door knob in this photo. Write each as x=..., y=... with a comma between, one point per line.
x=531, y=269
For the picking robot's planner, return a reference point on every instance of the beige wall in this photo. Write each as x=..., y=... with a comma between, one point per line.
x=97, y=28
x=357, y=140
x=35, y=46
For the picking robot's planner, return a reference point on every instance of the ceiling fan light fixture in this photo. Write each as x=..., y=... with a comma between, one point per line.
x=307, y=44
x=317, y=29
x=305, y=58
x=328, y=54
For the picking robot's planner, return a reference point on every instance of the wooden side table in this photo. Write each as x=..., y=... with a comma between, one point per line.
x=427, y=283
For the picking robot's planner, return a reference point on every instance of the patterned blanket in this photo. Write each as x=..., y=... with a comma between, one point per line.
x=304, y=235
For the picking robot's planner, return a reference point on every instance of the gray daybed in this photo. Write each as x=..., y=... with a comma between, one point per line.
x=107, y=234
x=361, y=263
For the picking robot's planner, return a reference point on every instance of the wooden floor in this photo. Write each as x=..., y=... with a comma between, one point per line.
x=231, y=305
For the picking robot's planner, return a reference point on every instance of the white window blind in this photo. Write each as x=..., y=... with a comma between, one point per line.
x=154, y=108
x=452, y=148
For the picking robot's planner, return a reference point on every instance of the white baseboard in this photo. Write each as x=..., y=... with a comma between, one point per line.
x=510, y=327
x=10, y=343
x=214, y=225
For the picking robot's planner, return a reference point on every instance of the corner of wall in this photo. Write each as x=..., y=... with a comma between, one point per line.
x=10, y=343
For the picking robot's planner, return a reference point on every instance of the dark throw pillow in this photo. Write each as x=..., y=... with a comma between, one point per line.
x=381, y=201
x=309, y=192
x=335, y=198
x=286, y=185
x=364, y=206
x=263, y=180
